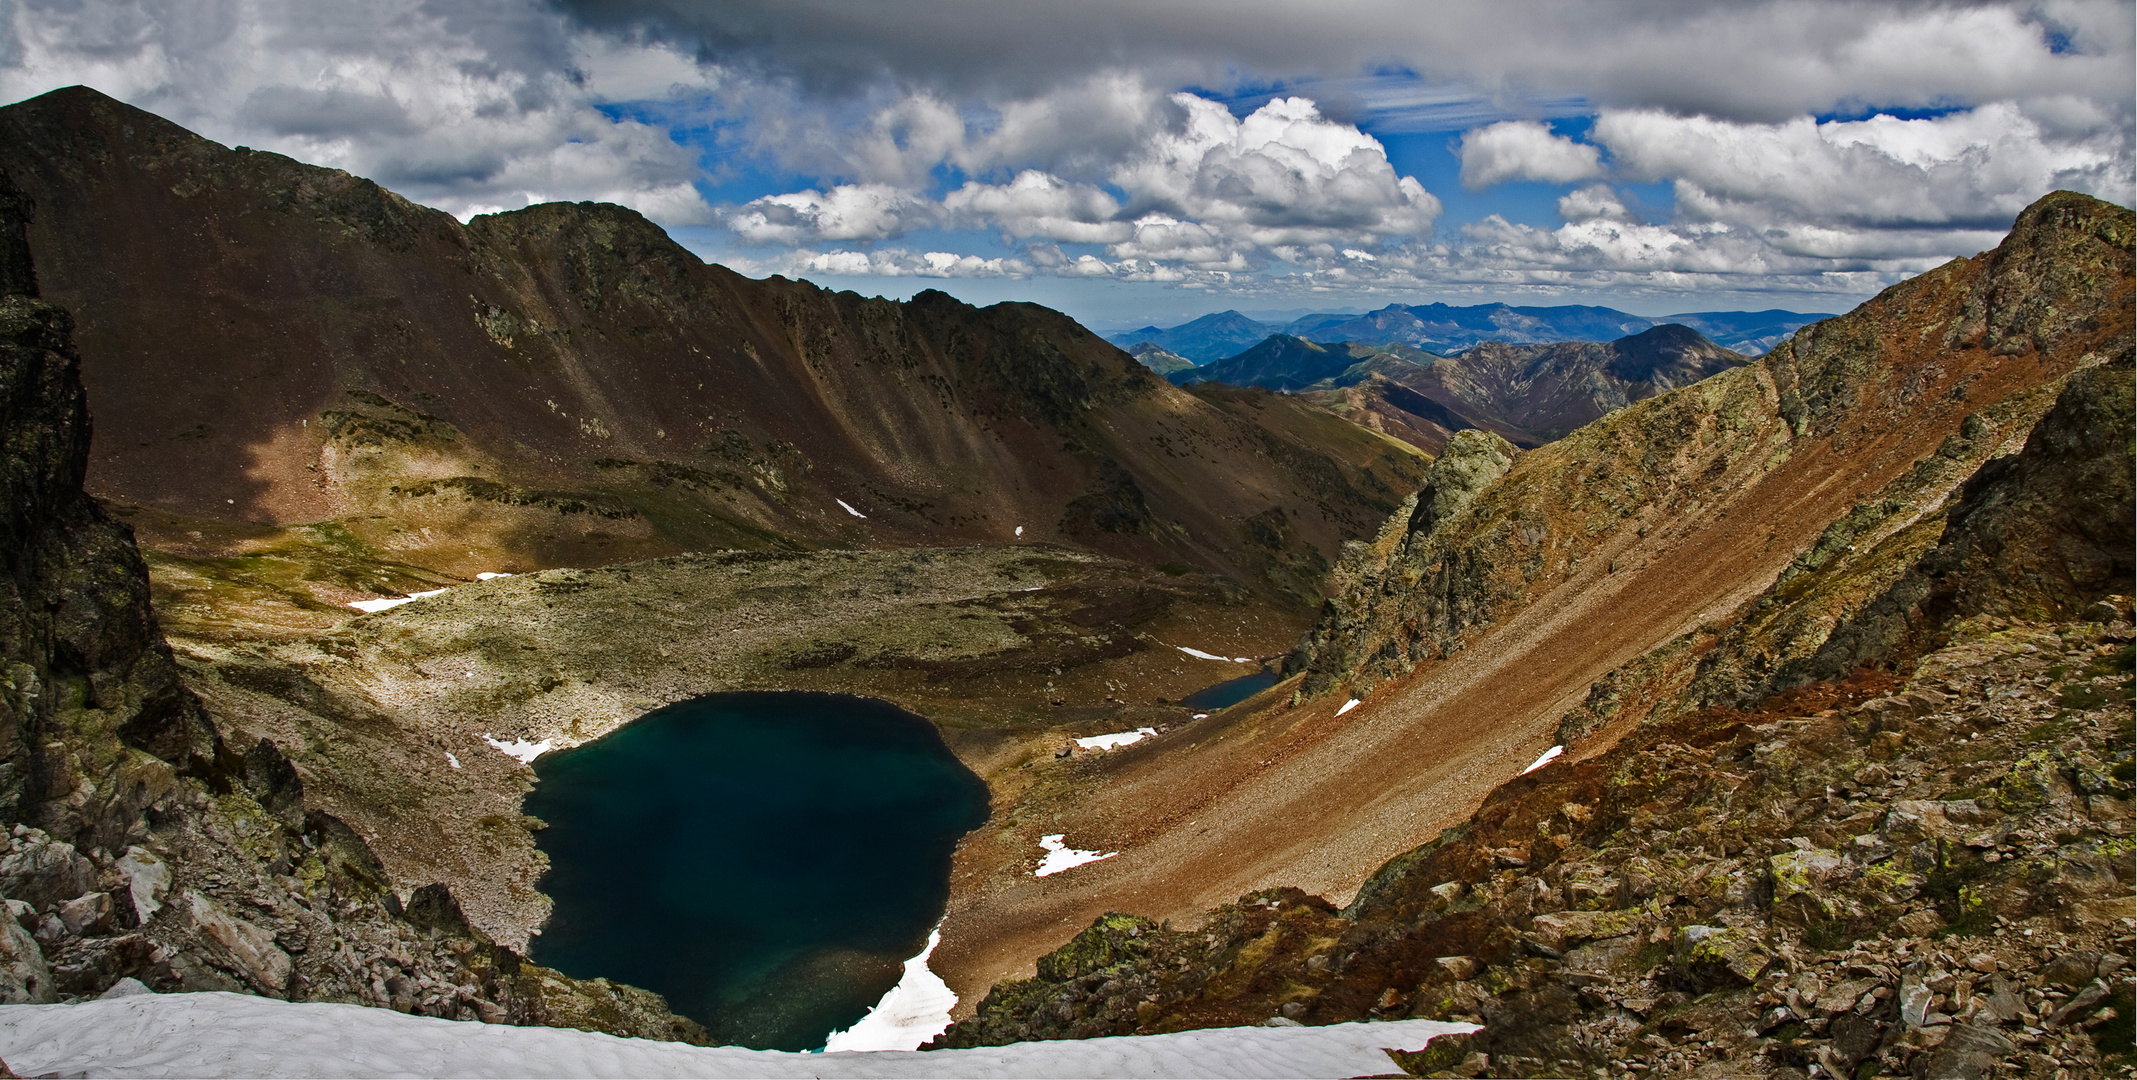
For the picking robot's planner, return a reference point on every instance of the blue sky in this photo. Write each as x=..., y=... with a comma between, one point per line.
x=1135, y=162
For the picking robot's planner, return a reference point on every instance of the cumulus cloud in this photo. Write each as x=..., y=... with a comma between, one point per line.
x=846, y=212
x=1524, y=150
x=1975, y=168
x=1763, y=60
x=1201, y=187
x=465, y=106
x=1040, y=204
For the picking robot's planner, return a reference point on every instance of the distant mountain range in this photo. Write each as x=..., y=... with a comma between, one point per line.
x=1445, y=329
x=1528, y=394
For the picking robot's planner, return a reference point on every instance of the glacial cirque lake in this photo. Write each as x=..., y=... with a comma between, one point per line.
x=1230, y=692
x=764, y=860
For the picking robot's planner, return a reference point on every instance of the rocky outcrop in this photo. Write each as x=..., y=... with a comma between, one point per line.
x=1870, y=402
x=140, y=846
x=1926, y=877
x=1905, y=854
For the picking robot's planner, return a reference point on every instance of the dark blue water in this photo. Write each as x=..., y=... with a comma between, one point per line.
x=766, y=861
x=1230, y=692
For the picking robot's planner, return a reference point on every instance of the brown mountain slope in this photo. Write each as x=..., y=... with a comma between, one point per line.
x=272, y=343
x=1527, y=394
x=1470, y=635
x=139, y=844
x=1913, y=871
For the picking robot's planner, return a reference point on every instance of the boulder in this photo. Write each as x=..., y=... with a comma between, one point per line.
x=43, y=873
x=24, y=978
x=1967, y=1053
x=147, y=879
x=247, y=947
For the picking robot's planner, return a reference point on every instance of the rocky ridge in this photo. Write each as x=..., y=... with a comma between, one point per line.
x=272, y=345
x=1529, y=394
x=1927, y=876
x=143, y=851
x=1920, y=386
x=2015, y=523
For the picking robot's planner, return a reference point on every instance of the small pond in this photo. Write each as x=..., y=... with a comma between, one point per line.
x=1230, y=692
x=764, y=860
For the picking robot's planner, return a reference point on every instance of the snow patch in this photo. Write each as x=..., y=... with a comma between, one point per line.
x=1200, y=655
x=1347, y=706
x=522, y=749
x=1060, y=856
x=849, y=508
x=384, y=602
x=1201, y=716
x=1118, y=738
x=488, y=574
x=452, y=760
x=1544, y=760
x=222, y=1034
x=911, y=1013
x=1020, y=530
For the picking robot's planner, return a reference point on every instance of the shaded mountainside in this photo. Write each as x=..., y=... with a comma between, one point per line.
x=142, y=846
x=1527, y=394
x=1672, y=556
x=1446, y=328
x=269, y=343
x=1909, y=855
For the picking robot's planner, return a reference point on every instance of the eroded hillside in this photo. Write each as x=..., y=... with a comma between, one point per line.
x=273, y=344
x=1915, y=859
x=1520, y=587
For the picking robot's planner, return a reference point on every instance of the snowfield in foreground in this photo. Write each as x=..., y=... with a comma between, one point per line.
x=217, y=1034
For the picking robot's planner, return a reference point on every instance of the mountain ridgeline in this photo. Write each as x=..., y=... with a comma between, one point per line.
x=1528, y=394
x=270, y=343
x=144, y=846
x=1444, y=328
x=1837, y=648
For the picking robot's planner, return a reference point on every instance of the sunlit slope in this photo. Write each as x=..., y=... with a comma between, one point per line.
x=1519, y=580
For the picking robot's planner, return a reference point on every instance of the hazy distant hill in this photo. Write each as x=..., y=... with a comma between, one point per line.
x=1444, y=328
x=1527, y=394
x=1211, y=337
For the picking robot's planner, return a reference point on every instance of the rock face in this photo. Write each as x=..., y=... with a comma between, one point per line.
x=142, y=847
x=271, y=343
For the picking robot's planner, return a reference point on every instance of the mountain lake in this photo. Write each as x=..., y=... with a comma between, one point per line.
x=766, y=861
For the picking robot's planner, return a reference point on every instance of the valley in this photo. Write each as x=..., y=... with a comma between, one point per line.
x=625, y=479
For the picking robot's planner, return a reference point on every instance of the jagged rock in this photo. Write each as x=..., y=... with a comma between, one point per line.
x=1968, y=1053
x=147, y=879
x=87, y=914
x=24, y=978
x=43, y=872
x=247, y=947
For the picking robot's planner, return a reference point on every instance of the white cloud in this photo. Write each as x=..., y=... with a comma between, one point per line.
x=464, y=107
x=846, y=212
x=1524, y=150
x=1975, y=168
x=1593, y=201
x=1201, y=187
x=1039, y=204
